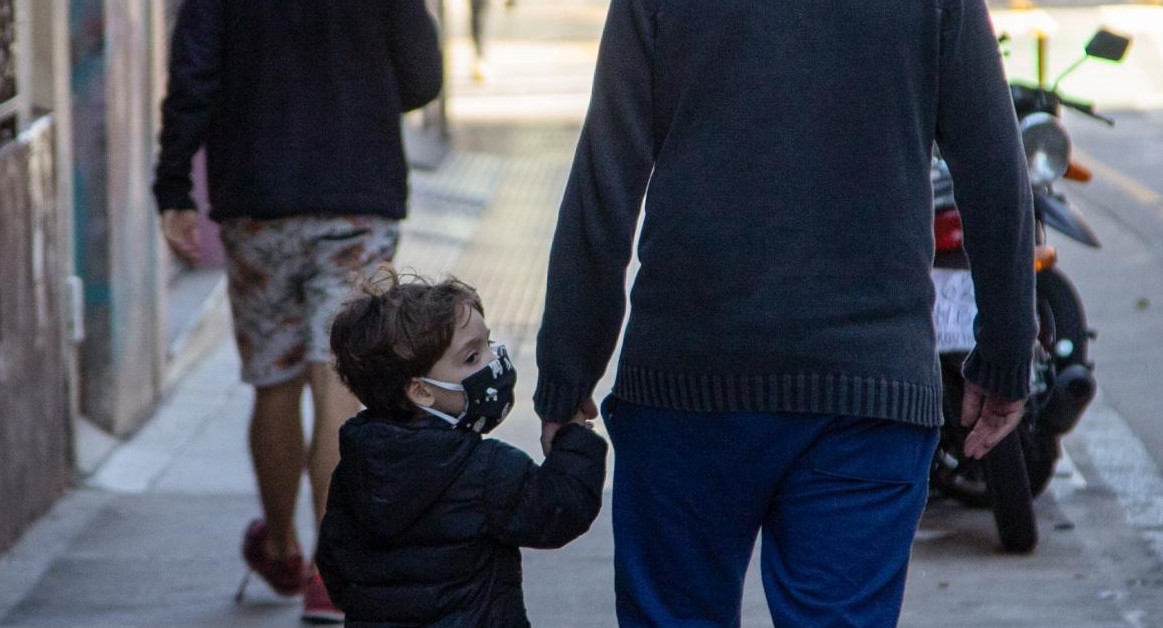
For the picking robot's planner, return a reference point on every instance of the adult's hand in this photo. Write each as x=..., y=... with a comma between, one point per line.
x=991, y=417
x=180, y=228
x=587, y=412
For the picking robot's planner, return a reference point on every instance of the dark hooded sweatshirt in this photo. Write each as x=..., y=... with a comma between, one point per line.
x=424, y=523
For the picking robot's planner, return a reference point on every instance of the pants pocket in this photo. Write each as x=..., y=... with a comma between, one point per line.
x=873, y=450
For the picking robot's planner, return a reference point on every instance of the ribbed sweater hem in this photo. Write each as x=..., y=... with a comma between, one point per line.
x=800, y=393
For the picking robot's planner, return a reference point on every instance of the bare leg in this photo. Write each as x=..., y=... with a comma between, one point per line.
x=478, y=16
x=479, y=10
x=276, y=447
x=334, y=404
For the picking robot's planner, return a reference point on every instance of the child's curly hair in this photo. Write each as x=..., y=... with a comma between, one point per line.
x=395, y=328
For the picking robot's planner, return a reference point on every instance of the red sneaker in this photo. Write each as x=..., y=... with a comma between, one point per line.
x=317, y=606
x=285, y=575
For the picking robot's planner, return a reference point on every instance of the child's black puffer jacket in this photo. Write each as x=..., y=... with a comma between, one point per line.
x=424, y=522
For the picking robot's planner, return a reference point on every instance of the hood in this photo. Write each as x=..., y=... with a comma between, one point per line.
x=399, y=470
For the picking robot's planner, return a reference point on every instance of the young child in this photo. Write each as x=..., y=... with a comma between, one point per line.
x=424, y=517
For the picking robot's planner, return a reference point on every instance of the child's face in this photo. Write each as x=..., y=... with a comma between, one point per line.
x=468, y=352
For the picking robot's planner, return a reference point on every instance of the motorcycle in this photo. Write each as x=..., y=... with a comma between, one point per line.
x=1063, y=384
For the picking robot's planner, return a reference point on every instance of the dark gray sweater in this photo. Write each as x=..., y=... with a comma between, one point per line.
x=783, y=150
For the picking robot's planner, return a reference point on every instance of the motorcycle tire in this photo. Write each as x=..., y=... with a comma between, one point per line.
x=1041, y=452
x=1059, y=302
x=953, y=474
x=1061, y=311
x=1056, y=294
x=1013, y=504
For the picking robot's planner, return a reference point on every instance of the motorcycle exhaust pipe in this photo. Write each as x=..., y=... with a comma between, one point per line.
x=1073, y=391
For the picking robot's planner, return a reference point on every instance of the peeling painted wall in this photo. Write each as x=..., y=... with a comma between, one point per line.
x=35, y=464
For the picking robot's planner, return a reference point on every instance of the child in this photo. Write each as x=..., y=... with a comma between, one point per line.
x=425, y=518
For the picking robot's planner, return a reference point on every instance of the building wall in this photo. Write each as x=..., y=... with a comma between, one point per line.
x=91, y=220
x=114, y=104
x=136, y=355
x=35, y=462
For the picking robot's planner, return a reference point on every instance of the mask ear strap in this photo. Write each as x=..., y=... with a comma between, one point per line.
x=443, y=385
x=440, y=415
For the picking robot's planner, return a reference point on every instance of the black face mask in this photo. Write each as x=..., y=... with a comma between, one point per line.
x=488, y=395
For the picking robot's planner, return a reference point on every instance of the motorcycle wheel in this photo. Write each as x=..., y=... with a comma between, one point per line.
x=952, y=473
x=1058, y=300
x=1059, y=312
x=1013, y=504
x=1061, y=316
x=1000, y=481
x=1041, y=454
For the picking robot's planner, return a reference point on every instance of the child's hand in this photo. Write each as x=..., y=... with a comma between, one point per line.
x=585, y=415
x=581, y=420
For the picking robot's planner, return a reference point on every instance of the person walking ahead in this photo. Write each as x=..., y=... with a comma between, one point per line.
x=298, y=105
x=778, y=375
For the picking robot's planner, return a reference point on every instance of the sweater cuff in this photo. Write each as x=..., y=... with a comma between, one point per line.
x=171, y=194
x=558, y=401
x=1008, y=379
x=175, y=201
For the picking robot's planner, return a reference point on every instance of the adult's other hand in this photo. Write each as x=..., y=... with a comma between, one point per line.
x=588, y=411
x=991, y=417
x=180, y=228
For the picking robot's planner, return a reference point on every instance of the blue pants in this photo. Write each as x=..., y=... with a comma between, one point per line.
x=837, y=500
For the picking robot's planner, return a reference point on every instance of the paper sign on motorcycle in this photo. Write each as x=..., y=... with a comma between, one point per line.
x=954, y=310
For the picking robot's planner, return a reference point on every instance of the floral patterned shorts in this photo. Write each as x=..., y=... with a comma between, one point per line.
x=287, y=278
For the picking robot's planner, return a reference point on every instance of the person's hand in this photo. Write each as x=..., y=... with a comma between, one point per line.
x=584, y=416
x=991, y=417
x=180, y=228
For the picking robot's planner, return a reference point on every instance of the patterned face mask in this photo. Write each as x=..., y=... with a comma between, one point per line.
x=488, y=395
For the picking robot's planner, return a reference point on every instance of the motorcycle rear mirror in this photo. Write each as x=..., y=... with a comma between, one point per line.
x=1108, y=45
x=1104, y=45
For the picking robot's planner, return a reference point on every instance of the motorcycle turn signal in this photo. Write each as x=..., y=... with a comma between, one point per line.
x=1079, y=173
x=1045, y=258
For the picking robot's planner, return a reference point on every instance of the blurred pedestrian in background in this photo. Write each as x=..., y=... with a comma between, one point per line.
x=478, y=25
x=778, y=373
x=298, y=105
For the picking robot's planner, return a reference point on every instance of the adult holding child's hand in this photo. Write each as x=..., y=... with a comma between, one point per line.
x=778, y=374
x=585, y=416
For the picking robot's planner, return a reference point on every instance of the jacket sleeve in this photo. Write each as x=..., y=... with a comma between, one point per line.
x=194, y=82
x=548, y=506
x=978, y=135
x=415, y=52
x=585, y=295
